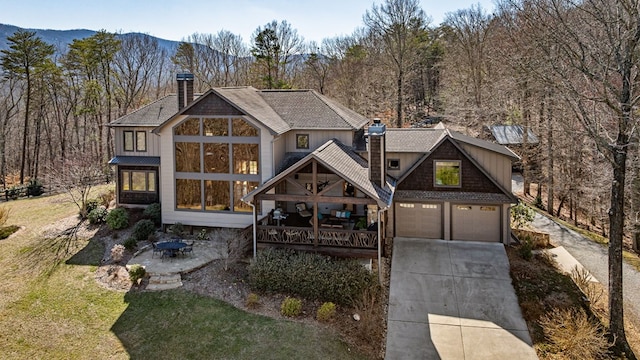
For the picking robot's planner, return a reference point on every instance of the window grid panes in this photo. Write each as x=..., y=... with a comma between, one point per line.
x=140, y=181
x=188, y=194
x=217, y=195
x=187, y=157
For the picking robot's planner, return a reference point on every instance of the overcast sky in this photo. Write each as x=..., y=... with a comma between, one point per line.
x=175, y=20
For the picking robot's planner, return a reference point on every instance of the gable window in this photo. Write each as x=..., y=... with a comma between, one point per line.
x=447, y=173
x=302, y=141
x=141, y=141
x=393, y=164
x=128, y=141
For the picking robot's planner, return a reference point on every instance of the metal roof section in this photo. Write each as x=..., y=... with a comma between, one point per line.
x=135, y=160
x=487, y=145
x=512, y=134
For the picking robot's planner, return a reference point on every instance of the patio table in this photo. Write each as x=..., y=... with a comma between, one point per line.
x=172, y=246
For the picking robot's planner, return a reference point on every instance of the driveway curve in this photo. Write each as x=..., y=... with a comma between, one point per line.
x=594, y=257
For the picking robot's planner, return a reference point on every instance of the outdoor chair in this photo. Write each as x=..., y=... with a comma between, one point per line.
x=155, y=250
x=302, y=210
x=187, y=249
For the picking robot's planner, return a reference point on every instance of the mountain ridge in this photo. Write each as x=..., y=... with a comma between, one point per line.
x=62, y=38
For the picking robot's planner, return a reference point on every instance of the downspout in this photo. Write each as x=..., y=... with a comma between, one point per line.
x=255, y=226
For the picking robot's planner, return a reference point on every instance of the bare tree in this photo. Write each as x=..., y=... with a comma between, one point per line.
x=399, y=24
x=597, y=43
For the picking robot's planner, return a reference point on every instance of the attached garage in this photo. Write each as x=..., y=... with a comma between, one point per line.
x=418, y=220
x=475, y=222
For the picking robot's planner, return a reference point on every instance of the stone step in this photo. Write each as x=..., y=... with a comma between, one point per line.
x=164, y=282
x=165, y=279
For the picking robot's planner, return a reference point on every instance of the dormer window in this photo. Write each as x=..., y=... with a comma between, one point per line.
x=447, y=173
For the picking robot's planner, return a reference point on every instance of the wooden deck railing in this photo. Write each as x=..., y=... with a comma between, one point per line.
x=326, y=237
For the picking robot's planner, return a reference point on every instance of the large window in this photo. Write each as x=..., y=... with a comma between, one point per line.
x=188, y=194
x=128, y=141
x=217, y=161
x=143, y=181
x=141, y=141
x=447, y=173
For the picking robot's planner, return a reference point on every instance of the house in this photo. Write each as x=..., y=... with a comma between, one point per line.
x=303, y=171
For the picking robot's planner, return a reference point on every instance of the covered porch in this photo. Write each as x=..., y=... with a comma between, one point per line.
x=324, y=203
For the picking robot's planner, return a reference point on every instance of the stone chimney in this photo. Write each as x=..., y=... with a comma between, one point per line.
x=377, y=153
x=185, y=90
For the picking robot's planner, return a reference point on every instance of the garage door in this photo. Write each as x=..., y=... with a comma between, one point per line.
x=475, y=222
x=419, y=220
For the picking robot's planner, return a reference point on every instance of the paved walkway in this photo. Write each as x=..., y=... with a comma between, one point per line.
x=453, y=300
x=593, y=256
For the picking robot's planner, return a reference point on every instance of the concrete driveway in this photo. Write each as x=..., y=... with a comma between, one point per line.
x=453, y=300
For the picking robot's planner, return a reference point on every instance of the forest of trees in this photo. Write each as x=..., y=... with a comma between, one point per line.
x=567, y=70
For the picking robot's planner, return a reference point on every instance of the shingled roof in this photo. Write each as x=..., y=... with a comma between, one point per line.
x=278, y=110
x=152, y=114
x=342, y=160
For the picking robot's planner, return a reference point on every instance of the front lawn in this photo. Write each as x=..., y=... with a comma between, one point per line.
x=52, y=307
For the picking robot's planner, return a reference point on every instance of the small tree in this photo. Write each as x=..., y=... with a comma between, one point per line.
x=521, y=215
x=236, y=247
x=76, y=176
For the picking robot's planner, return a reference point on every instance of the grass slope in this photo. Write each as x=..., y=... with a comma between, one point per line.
x=52, y=307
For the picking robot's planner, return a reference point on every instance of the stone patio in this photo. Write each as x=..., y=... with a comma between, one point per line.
x=165, y=273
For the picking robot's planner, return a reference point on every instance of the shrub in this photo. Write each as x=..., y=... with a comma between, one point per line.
x=153, y=212
x=91, y=205
x=98, y=215
x=574, y=336
x=176, y=229
x=117, y=253
x=525, y=249
x=118, y=219
x=136, y=273
x=326, y=312
x=253, y=301
x=13, y=192
x=521, y=215
x=538, y=203
x=311, y=276
x=142, y=229
x=4, y=215
x=291, y=307
x=6, y=231
x=130, y=244
x=35, y=188
x=202, y=235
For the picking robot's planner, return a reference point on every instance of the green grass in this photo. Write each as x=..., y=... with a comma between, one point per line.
x=51, y=307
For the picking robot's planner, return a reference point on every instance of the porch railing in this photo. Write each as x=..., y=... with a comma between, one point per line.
x=326, y=237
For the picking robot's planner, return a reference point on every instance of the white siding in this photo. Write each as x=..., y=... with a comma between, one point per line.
x=317, y=138
x=153, y=142
x=498, y=166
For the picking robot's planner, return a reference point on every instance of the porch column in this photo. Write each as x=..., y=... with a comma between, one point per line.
x=314, y=181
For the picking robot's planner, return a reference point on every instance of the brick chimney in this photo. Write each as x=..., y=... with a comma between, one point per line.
x=185, y=90
x=377, y=153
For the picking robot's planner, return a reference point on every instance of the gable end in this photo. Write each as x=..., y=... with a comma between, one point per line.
x=473, y=179
x=212, y=104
